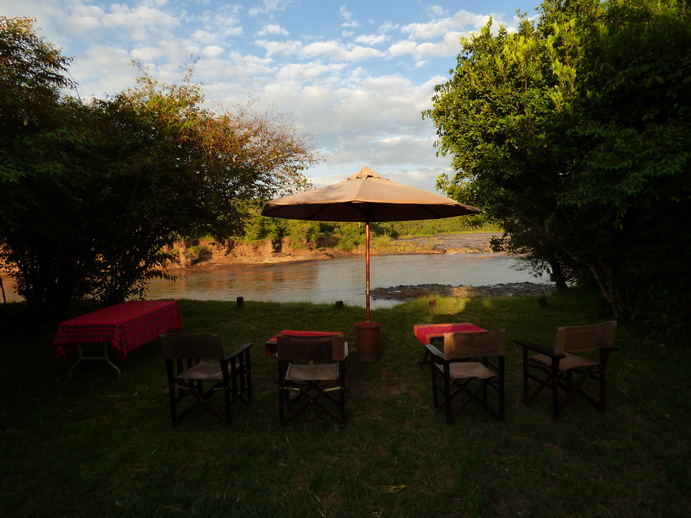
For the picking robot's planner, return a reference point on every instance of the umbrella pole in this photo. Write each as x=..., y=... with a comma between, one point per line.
x=367, y=270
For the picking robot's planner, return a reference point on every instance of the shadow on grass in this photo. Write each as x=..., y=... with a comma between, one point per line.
x=97, y=445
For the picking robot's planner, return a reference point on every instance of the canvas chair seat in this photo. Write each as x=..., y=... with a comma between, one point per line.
x=463, y=370
x=202, y=371
x=565, y=373
x=314, y=372
x=569, y=361
x=470, y=369
x=191, y=381
x=311, y=374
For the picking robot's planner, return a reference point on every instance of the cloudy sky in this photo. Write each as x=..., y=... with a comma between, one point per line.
x=354, y=75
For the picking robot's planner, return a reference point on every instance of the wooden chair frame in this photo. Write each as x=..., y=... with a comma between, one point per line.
x=465, y=372
x=311, y=373
x=562, y=371
x=189, y=376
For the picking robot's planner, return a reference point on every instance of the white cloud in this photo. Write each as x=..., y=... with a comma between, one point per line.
x=401, y=48
x=280, y=48
x=437, y=38
x=462, y=21
x=449, y=46
x=87, y=17
x=236, y=72
x=347, y=17
x=371, y=39
x=273, y=28
x=223, y=22
x=436, y=11
x=345, y=13
x=213, y=51
x=334, y=49
x=270, y=7
x=103, y=70
x=339, y=82
x=297, y=72
x=147, y=54
x=140, y=23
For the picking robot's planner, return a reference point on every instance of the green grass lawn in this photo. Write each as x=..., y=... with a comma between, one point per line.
x=99, y=446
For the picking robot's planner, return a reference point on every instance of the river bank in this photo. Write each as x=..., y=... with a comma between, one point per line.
x=433, y=275
x=444, y=266
x=207, y=254
x=265, y=254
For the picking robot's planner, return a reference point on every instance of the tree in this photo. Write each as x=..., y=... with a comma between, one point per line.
x=573, y=134
x=31, y=117
x=31, y=76
x=636, y=126
x=100, y=187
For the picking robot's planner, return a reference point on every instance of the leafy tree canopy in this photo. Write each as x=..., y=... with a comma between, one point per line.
x=573, y=133
x=95, y=189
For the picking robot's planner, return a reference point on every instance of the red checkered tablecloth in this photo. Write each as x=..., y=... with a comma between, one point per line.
x=126, y=326
x=426, y=332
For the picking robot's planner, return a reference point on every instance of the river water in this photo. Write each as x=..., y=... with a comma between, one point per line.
x=341, y=279
x=336, y=279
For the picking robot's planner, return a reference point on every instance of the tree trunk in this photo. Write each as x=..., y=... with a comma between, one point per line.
x=557, y=275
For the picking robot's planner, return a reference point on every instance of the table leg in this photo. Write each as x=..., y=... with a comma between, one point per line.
x=104, y=357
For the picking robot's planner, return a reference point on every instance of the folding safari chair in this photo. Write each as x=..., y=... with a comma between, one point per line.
x=311, y=373
x=195, y=381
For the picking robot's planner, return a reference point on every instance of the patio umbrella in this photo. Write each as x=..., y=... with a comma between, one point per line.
x=366, y=197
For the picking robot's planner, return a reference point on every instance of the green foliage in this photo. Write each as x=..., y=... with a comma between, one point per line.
x=350, y=236
x=347, y=237
x=573, y=134
x=303, y=234
x=435, y=227
x=93, y=191
x=258, y=227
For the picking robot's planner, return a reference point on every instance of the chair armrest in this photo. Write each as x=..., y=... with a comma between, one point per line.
x=435, y=352
x=539, y=349
x=237, y=351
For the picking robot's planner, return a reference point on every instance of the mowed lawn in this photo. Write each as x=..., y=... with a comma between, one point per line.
x=99, y=446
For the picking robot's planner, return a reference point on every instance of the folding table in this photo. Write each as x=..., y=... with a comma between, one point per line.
x=124, y=326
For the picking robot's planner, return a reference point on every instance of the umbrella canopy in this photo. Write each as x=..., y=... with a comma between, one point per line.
x=366, y=197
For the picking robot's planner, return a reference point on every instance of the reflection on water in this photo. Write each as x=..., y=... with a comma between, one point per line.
x=337, y=279
x=340, y=279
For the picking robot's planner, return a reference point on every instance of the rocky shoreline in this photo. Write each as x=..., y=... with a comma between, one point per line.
x=407, y=292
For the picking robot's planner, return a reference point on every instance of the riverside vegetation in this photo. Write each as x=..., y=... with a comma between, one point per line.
x=277, y=240
x=99, y=446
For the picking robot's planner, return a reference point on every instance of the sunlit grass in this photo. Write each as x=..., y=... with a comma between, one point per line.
x=99, y=446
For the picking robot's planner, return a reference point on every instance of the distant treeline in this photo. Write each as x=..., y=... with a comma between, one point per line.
x=347, y=236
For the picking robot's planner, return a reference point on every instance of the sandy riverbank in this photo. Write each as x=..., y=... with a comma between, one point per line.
x=206, y=254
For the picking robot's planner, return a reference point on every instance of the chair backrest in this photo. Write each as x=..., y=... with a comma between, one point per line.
x=472, y=345
x=311, y=348
x=585, y=338
x=188, y=346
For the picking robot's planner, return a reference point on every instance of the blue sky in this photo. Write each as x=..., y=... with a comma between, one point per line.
x=353, y=75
